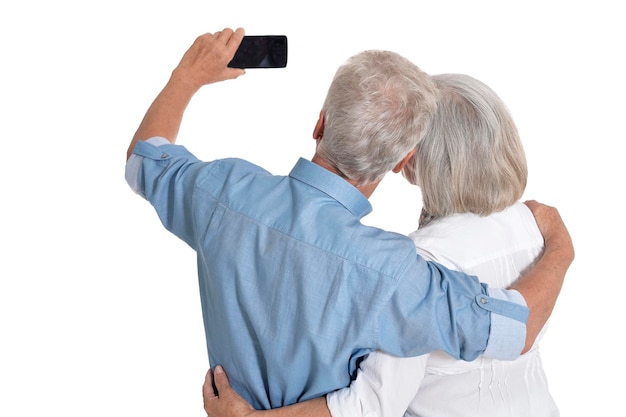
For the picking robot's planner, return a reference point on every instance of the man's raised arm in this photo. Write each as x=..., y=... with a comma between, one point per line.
x=205, y=62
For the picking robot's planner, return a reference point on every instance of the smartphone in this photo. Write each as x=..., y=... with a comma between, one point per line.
x=269, y=51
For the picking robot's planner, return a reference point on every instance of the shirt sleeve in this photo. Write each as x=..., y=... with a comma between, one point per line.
x=436, y=308
x=134, y=164
x=505, y=328
x=165, y=174
x=508, y=317
x=384, y=387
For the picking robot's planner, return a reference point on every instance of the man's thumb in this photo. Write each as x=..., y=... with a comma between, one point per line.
x=220, y=380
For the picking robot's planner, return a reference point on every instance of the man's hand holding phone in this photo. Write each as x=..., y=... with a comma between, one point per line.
x=206, y=61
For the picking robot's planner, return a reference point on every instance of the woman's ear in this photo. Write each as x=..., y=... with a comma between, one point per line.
x=318, y=132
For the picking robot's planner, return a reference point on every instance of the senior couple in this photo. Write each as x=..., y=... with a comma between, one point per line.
x=309, y=311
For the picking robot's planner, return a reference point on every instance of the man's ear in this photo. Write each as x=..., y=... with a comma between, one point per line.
x=404, y=161
x=318, y=132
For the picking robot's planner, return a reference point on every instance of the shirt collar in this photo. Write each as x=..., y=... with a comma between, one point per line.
x=333, y=185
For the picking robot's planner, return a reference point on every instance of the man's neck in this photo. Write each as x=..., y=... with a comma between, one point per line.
x=367, y=190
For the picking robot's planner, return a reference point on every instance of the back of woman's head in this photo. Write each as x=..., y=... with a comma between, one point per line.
x=471, y=158
x=378, y=107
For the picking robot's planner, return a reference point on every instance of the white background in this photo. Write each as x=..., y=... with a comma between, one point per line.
x=99, y=308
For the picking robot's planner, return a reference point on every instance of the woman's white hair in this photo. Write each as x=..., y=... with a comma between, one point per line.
x=378, y=107
x=471, y=158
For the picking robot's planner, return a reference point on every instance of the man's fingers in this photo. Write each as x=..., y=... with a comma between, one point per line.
x=532, y=204
x=544, y=216
x=224, y=35
x=551, y=226
x=208, y=389
x=236, y=38
x=229, y=37
x=220, y=399
x=221, y=380
x=215, y=383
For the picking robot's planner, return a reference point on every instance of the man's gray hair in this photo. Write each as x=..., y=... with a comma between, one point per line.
x=377, y=109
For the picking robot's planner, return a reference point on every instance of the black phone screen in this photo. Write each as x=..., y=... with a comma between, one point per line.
x=268, y=51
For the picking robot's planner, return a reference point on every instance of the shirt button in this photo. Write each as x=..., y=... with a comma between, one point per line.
x=483, y=301
x=163, y=156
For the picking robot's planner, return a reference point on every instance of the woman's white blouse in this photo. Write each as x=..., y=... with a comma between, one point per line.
x=498, y=249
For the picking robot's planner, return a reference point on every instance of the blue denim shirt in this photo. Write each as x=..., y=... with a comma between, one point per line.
x=295, y=289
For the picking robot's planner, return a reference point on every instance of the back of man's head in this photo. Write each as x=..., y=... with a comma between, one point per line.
x=378, y=107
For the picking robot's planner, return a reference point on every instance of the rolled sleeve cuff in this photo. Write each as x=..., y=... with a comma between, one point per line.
x=508, y=324
x=133, y=165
